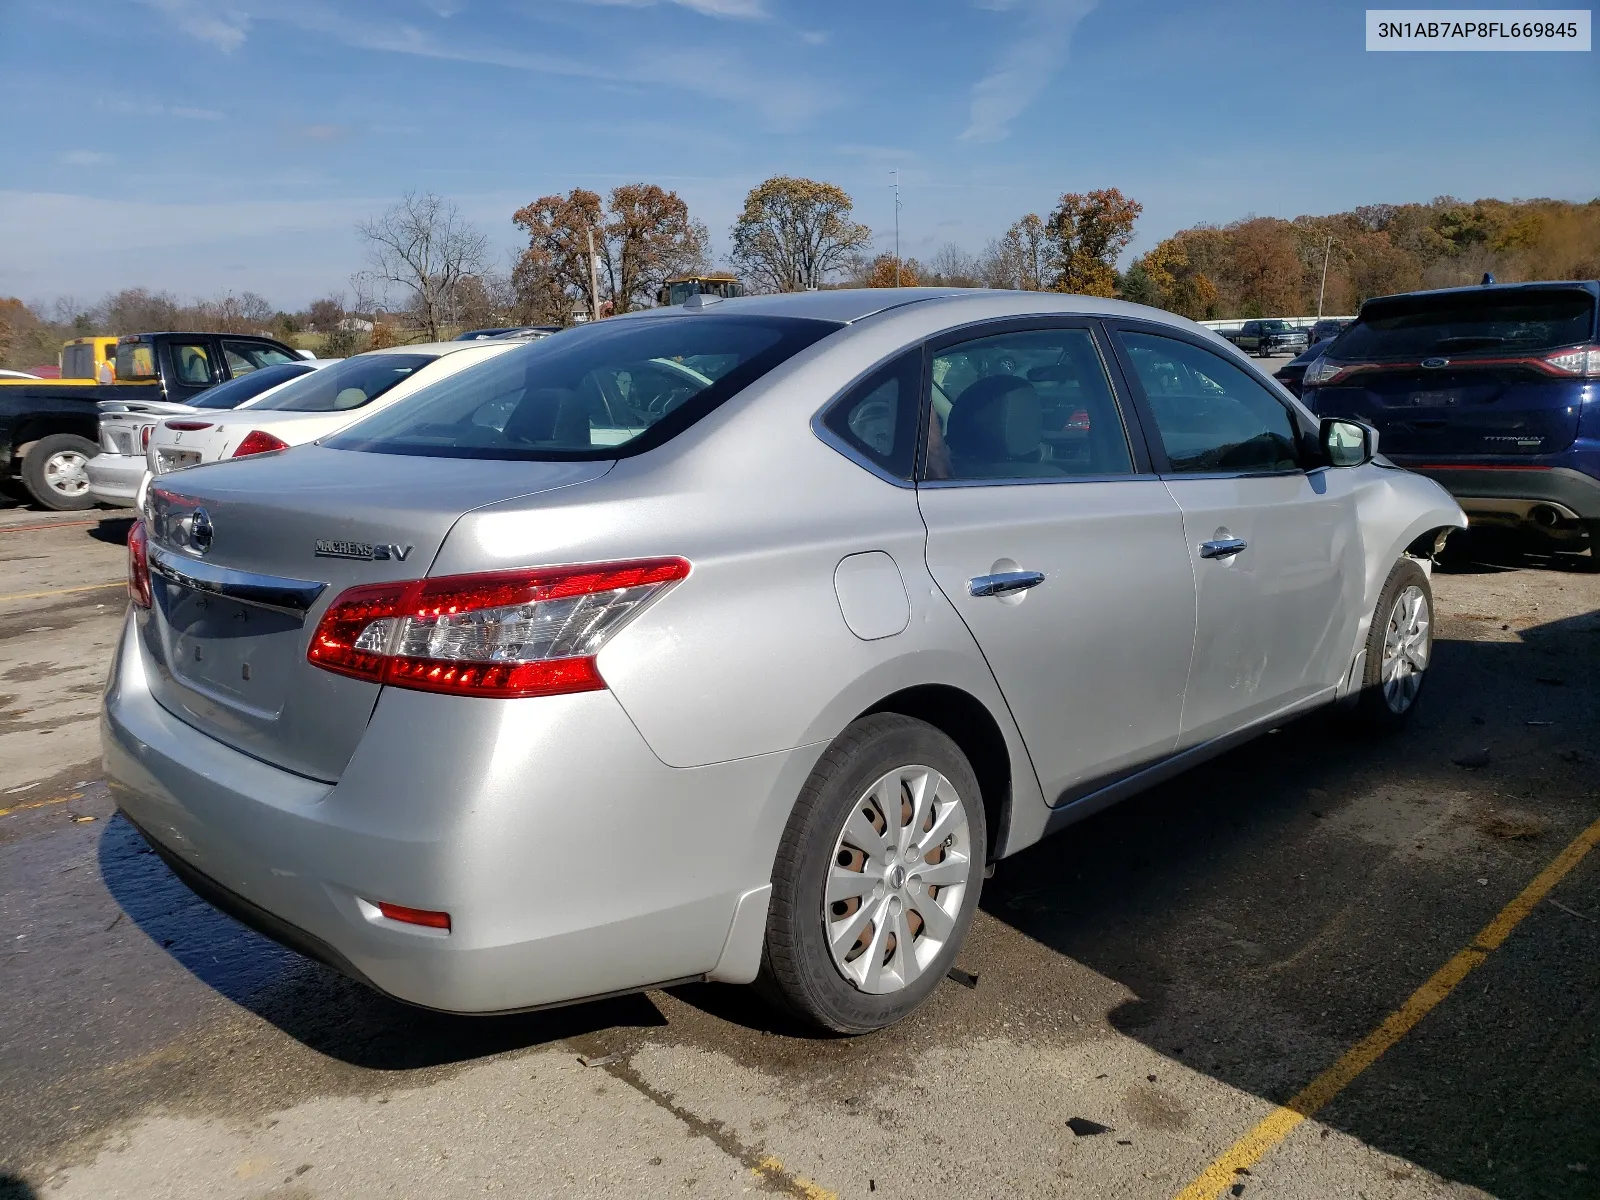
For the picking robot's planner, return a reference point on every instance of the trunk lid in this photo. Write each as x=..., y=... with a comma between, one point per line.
x=1461, y=409
x=237, y=670
x=122, y=423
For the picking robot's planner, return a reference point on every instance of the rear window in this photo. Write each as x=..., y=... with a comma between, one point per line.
x=345, y=385
x=599, y=391
x=247, y=387
x=1467, y=323
x=136, y=360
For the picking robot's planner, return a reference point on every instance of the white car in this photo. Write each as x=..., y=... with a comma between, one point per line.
x=117, y=473
x=314, y=406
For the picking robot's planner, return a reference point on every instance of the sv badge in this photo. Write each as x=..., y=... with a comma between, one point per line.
x=364, y=551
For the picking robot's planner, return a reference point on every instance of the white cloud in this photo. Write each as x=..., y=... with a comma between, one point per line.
x=1026, y=65
x=84, y=158
x=195, y=114
x=741, y=9
x=224, y=29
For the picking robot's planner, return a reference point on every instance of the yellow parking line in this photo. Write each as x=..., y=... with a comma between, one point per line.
x=1281, y=1122
x=88, y=587
x=6, y=812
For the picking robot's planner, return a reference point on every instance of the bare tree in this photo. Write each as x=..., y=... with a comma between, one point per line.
x=951, y=266
x=424, y=246
x=794, y=233
x=1021, y=259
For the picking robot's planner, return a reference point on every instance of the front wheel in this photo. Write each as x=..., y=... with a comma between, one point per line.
x=56, y=471
x=1399, y=649
x=877, y=877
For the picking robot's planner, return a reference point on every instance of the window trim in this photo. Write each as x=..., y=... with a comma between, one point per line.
x=833, y=441
x=1306, y=432
x=1132, y=422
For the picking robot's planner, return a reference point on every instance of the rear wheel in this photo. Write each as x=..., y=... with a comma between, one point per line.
x=877, y=877
x=56, y=471
x=1399, y=649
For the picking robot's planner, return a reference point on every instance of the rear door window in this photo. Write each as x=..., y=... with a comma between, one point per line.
x=599, y=391
x=1030, y=403
x=191, y=363
x=1472, y=322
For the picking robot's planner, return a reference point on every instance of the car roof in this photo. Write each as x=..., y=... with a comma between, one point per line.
x=1487, y=289
x=436, y=348
x=849, y=305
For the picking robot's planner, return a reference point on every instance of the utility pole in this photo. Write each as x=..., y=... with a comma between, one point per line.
x=897, y=227
x=1327, y=249
x=594, y=279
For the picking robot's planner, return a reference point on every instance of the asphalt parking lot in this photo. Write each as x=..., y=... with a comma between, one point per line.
x=1150, y=985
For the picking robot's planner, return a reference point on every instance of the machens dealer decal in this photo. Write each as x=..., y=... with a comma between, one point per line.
x=362, y=550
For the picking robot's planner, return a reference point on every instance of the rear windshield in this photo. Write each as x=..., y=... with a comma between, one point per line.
x=345, y=385
x=1468, y=322
x=246, y=387
x=599, y=391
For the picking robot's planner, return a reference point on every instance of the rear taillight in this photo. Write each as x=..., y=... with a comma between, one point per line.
x=1582, y=363
x=144, y=436
x=257, y=442
x=189, y=426
x=507, y=633
x=426, y=917
x=139, y=565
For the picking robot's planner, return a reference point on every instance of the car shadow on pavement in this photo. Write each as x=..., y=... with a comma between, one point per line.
x=313, y=1004
x=112, y=530
x=1269, y=909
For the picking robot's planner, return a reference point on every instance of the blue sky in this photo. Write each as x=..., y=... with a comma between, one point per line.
x=211, y=145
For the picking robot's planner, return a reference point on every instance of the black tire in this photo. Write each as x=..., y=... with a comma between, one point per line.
x=1377, y=710
x=44, y=483
x=798, y=971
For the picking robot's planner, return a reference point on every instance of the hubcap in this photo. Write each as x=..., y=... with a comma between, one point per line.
x=67, y=473
x=897, y=880
x=1407, y=645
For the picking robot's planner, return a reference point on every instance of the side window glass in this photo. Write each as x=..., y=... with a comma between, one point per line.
x=244, y=357
x=192, y=363
x=1030, y=404
x=878, y=417
x=1212, y=417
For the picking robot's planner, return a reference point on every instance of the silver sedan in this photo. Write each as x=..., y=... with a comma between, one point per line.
x=735, y=640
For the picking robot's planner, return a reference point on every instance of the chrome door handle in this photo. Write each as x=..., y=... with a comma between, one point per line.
x=1222, y=547
x=1006, y=581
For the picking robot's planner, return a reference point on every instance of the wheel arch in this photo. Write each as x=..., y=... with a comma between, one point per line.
x=966, y=721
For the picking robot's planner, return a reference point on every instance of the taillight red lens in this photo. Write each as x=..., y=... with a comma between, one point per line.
x=139, y=565
x=415, y=916
x=1584, y=362
x=144, y=436
x=188, y=426
x=505, y=633
x=258, y=442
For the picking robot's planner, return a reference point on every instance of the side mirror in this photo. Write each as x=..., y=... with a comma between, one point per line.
x=1348, y=443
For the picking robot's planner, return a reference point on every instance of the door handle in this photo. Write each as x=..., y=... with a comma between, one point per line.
x=1222, y=547
x=1004, y=582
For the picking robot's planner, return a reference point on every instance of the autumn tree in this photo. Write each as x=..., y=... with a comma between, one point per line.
x=951, y=266
x=794, y=233
x=1086, y=234
x=1020, y=260
x=642, y=236
x=422, y=246
x=1178, y=284
x=886, y=271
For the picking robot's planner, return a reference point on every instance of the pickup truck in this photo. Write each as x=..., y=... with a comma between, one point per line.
x=1268, y=337
x=49, y=429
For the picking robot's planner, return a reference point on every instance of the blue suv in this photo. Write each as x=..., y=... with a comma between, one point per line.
x=1493, y=391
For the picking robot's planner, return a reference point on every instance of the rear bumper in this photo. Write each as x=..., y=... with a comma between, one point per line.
x=572, y=862
x=115, y=478
x=1496, y=491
